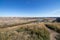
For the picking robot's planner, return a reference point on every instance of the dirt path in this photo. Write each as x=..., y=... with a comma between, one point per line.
x=15, y=27
x=52, y=32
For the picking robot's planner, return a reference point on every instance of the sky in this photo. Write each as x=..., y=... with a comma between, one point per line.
x=30, y=8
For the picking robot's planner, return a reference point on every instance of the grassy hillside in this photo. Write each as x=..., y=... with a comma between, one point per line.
x=27, y=32
x=29, y=29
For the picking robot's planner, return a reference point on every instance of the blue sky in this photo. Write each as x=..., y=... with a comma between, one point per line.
x=30, y=8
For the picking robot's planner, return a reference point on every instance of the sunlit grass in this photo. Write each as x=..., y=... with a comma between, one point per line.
x=27, y=32
x=54, y=26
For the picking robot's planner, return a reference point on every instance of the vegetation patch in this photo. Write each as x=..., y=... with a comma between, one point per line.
x=29, y=32
x=54, y=26
x=35, y=32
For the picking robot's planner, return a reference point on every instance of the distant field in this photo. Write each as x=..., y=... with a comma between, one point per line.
x=14, y=22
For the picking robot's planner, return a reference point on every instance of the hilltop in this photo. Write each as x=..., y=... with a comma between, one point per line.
x=16, y=28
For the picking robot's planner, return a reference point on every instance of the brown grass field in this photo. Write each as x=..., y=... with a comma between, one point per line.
x=28, y=29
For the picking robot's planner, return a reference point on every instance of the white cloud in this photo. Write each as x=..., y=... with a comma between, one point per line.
x=55, y=13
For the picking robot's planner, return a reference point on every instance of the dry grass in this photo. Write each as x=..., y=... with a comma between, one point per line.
x=15, y=23
x=54, y=26
x=27, y=32
x=26, y=29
